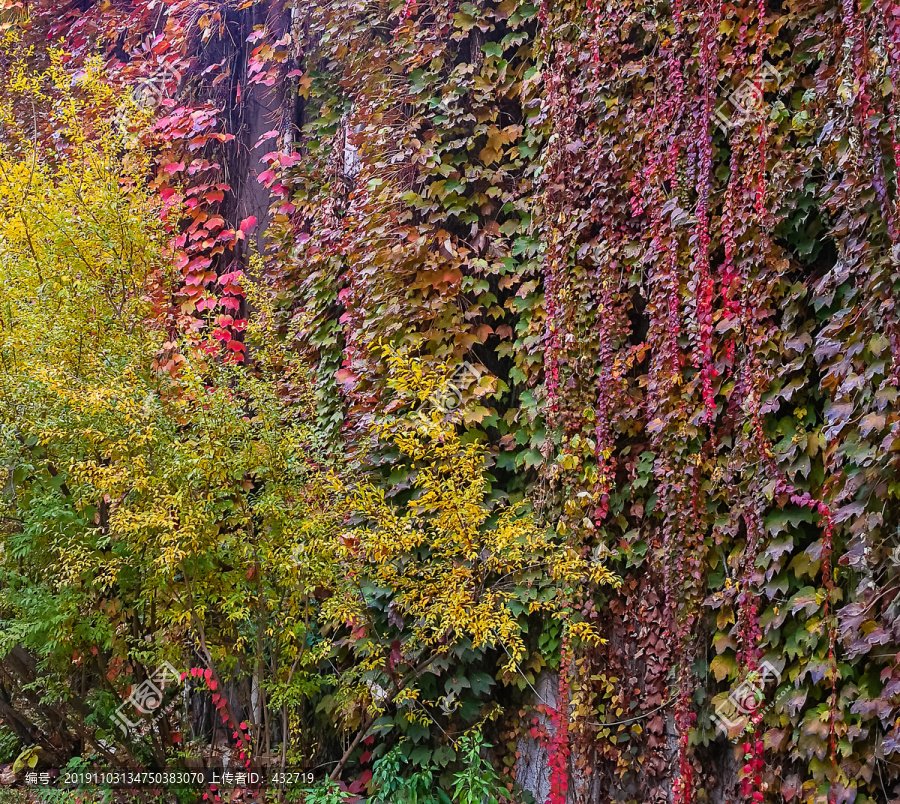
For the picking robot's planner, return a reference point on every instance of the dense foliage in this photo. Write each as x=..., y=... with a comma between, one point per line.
x=649, y=248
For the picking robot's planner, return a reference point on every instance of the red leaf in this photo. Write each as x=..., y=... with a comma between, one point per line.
x=247, y=224
x=199, y=263
x=207, y=303
x=267, y=136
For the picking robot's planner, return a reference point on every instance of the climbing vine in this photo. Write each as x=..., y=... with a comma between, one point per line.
x=650, y=250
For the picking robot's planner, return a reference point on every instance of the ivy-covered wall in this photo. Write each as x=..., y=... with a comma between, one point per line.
x=664, y=234
x=654, y=247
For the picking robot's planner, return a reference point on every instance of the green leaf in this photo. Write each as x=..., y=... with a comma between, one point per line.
x=420, y=756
